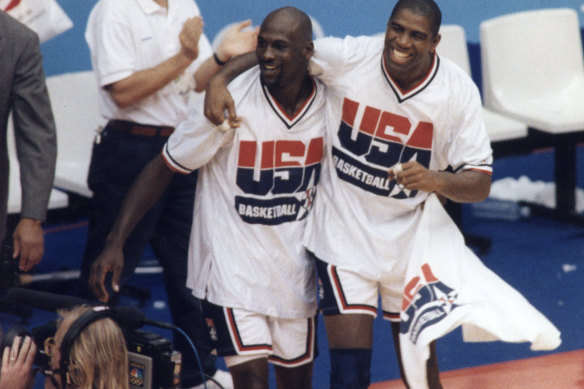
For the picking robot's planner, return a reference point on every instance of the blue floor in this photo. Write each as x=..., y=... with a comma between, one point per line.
x=541, y=258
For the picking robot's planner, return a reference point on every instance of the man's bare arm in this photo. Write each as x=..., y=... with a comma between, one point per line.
x=217, y=98
x=464, y=187
x=145, y=191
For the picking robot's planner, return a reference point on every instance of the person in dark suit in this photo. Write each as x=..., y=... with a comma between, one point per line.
x=24, y=93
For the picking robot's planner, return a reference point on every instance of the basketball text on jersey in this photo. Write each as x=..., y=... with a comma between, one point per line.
x=426, y=301
x=382, y=139
x=282, y=188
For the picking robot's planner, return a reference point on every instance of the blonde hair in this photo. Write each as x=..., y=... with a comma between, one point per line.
x=98, y=358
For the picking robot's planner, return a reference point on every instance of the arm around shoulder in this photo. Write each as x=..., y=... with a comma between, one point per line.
x=238, y=39
x=217, y=98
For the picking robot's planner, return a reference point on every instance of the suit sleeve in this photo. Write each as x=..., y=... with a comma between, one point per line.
x=34, y=131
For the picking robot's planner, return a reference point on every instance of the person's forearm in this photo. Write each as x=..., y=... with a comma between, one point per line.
x=217, y=98
x=204, y=73
x=145, y=191
x=235, y=67
x=145, y=83
x=464, y=187
x=238, y=39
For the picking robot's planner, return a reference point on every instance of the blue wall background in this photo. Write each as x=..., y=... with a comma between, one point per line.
x=68, y=51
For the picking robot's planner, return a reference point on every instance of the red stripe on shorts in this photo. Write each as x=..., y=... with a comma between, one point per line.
x=235, y=331
x=346, y=306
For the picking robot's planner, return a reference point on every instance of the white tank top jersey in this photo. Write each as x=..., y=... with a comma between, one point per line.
x=256, y=186
x=362, y=220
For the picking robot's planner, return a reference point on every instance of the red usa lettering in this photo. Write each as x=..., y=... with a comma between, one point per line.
x=281, y=153
x=414, y=285
x=285, y=166
x=382, y=137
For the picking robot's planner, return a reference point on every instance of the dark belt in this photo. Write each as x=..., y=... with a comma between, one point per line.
x=140, y=129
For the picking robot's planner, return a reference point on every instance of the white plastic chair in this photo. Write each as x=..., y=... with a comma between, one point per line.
x=501, y=129
x=74, y=99
x=533, y=68
x=453, y=46
x=533, y=71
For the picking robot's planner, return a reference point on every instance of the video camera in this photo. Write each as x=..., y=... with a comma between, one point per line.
x=152, y=362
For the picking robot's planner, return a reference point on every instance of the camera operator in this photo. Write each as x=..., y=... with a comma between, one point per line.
x=17, y=364
x=88, y=351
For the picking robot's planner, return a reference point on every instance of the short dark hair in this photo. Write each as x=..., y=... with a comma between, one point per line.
x=426, y=8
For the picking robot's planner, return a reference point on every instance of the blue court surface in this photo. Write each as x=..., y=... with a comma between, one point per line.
x=540, y=257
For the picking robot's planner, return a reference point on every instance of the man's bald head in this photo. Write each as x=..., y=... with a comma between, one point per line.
x=293, y=18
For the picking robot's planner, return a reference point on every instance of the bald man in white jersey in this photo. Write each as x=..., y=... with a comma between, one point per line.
x=255, y=190
x=407, y=123
x=148, y=57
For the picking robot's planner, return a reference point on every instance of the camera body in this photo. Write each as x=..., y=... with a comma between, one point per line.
x=152, y=362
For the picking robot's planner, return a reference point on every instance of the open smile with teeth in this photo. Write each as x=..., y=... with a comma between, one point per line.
x=269, y=68
x=400, y=54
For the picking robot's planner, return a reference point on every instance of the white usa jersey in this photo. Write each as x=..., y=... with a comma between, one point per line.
x=256, y=187
x=362, y=220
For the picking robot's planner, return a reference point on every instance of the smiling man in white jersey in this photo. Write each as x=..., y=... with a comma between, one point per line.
x=401, y=110
x=255, y=189
x=412, y=110
x=148, y=57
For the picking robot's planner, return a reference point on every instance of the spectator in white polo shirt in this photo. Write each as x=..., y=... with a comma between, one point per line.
x=148, y=56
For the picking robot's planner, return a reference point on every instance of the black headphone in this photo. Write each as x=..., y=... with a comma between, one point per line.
x=96, y=313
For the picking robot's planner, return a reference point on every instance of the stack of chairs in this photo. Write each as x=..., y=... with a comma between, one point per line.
x=533, y=71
